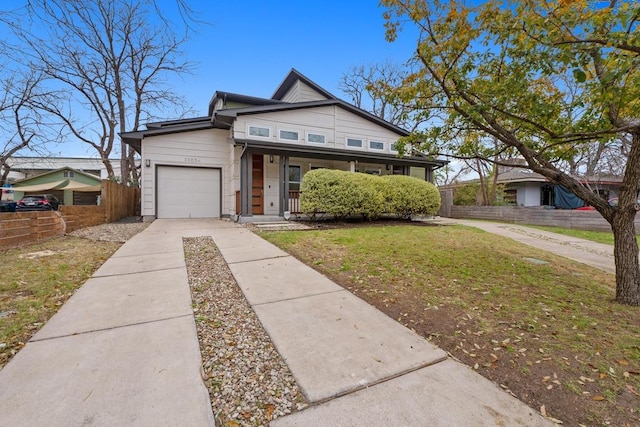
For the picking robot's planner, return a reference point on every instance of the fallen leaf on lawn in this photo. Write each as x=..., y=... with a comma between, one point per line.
x=625, y=374
x=543, y=411
x=603, y=376
x=623, y=362
x=232, y=423
x=598, y=398
x=632, y=389
x=550, y=386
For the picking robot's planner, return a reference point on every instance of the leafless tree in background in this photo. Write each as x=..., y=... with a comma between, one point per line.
x=108, y=61
x=22, y=127
x=367, y=87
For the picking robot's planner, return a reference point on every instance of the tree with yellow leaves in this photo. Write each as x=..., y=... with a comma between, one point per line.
x=540, y=79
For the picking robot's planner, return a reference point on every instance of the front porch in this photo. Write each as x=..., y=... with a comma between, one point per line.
x=270, y=177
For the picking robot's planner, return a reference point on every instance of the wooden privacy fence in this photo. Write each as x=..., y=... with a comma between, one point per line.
x=577, y=219
x=117, y=201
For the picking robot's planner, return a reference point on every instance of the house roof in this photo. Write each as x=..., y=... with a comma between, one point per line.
x=52, y=172
x=64, y=184
x=134, y=139
x=240, y=99
x=293, y=76
x=223, y=118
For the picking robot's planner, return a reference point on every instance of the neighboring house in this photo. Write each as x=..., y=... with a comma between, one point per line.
x=522, y=187
x=247, y=157
x=70, y=186
x=26, y=167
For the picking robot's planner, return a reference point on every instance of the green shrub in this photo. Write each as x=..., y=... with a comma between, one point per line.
x=348, y=194
x=466, y=195
x=341, y=194
x=406, y=196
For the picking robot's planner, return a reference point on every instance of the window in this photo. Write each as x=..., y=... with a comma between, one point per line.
x=354, y=143
x=261, y=132
x=376, y=145
x=289, y=135
x=393, y=148
x=294, y=177
x=316, y=138
x=68, y=174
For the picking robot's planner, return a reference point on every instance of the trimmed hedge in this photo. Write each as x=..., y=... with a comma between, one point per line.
x=348, y=194
x=406, y=196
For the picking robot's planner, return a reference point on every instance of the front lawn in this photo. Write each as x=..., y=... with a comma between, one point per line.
x=37, y=279
x=543, y=327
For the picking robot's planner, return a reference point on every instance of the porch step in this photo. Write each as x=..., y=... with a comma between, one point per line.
x=281, y=225
x=261, y=219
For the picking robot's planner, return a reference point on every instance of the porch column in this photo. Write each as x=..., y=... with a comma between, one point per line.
x=245, y=184
x=284, y=185
x=352, y=166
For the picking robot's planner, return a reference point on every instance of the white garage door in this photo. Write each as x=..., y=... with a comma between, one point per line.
x=185, y=192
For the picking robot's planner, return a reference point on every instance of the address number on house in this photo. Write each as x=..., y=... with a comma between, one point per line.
x=191, y=160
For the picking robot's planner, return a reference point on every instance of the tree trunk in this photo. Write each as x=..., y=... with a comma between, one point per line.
x=625, y=252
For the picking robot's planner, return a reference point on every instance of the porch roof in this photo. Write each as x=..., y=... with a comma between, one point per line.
x=333, y=154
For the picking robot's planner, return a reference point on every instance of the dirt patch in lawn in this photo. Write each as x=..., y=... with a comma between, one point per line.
x=549, y=334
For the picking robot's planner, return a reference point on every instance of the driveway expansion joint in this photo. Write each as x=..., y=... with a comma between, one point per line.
x=375, y=383
x=258, y=259
x=297, y=298
x=146, y=322
x=137, y=272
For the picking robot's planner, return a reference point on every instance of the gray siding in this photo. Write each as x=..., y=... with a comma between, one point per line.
x=301, y=92
x=334, y=122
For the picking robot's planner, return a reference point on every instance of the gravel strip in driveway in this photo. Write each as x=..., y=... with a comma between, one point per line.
x=249, y=383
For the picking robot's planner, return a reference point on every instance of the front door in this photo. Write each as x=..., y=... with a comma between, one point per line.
x=257, y=190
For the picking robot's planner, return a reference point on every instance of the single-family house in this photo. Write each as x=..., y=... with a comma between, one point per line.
x=70, y=186
x=523, y=187
x=248, y=155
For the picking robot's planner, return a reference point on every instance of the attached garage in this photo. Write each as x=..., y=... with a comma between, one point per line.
x=188, y=192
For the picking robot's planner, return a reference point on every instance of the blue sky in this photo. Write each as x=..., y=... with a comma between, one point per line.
x=249, y=46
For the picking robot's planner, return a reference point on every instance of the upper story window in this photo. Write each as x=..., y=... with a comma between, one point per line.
x=259, y=131
x=376, y=145
x=316, y=138
x=288, y=135
x=354, y=143
x=393, y=148
x=69, y=174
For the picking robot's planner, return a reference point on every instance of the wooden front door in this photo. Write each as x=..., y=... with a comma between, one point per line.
x=257, y=190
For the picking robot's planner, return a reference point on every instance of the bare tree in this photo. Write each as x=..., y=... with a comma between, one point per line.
x=21, y=126
x=368, y=87
x=108, y=61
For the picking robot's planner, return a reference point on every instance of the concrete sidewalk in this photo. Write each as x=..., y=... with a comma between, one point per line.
x=598, y=255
